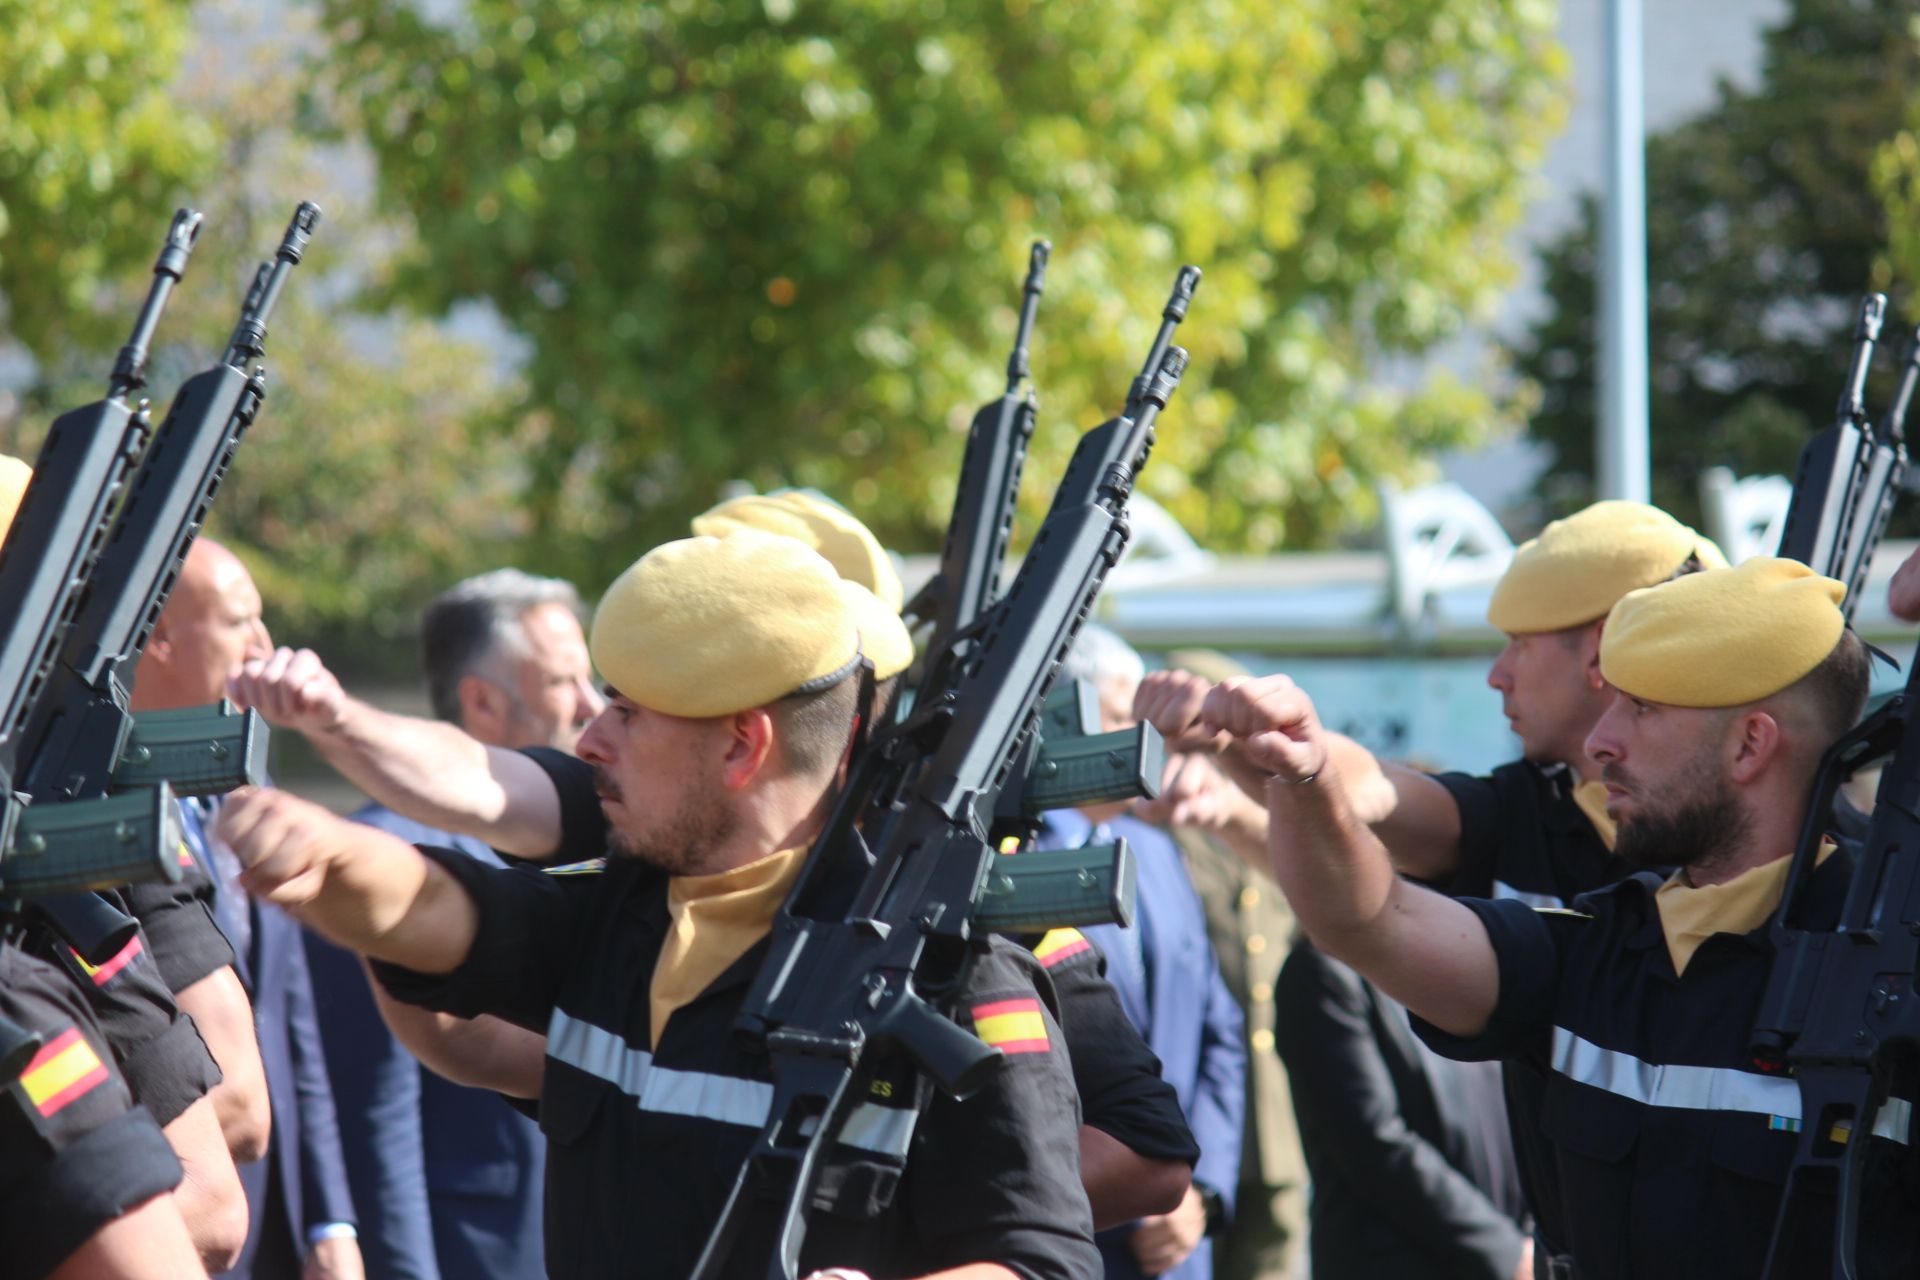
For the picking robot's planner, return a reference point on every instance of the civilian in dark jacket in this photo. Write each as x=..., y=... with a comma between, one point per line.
x=1411, y=1164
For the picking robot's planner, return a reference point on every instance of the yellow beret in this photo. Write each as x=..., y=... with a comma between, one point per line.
x=884, y=639
x=710, y=626
x=14, y=475
x=846, y=543
x=1723, y=638
x=1579, y=567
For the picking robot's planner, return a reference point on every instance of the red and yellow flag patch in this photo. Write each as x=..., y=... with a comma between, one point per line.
x=1058, y=945
x=64, y=1070
x=1012, y=1026
x=102, y=974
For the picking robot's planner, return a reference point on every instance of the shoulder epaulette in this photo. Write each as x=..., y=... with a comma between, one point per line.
x=591, y=867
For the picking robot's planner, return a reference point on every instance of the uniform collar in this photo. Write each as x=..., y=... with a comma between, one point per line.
x=1821, y=898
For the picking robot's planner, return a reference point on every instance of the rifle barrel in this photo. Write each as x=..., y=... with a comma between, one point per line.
x=1170, y=317
x=130, y=366
x=1017, y=370
x=250, y=334
x=1893, y=427
x=1866, y=332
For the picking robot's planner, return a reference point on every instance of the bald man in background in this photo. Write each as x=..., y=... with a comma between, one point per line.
x=301, y=1211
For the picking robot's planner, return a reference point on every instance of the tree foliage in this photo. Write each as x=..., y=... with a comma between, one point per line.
x=1764, y=227
x=375, y=474
x=91, y=149
x=780, y=242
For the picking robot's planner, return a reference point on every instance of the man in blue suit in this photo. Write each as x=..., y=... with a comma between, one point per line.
x=447, y=1178
x=1170, y=985
x=301, y=1214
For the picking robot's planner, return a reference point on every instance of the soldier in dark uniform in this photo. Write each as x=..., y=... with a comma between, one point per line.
x=154, y=1048
x=1535, y=829
x=731, y=668
x=1670, y=1141
x=85, y=1173
x=1137, y=1151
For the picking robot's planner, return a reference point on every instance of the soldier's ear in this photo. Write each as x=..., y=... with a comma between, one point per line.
x=749, y=747
x=1590, y=648
x=159, y=642
x=1755, y=743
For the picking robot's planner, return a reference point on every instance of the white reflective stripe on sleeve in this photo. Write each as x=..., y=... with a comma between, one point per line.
x=702, y=1094
x=1504, y=892
x=1657, y=1085
x=884, y=1130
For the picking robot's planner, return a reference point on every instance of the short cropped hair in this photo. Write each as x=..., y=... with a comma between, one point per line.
x=814, y=728
x=475, y=623
x=1837, y=689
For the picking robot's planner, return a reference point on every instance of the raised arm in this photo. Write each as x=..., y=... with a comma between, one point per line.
x=1413, y=815
x=1426, y=951
x=365, y=890
x=427, y=770
x=481, y=1053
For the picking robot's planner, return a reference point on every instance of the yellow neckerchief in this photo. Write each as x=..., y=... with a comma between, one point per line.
x=1592, y=799
x=716, y=919
x=1689, y=915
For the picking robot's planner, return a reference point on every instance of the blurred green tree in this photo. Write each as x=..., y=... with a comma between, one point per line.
x=1763, y=231
x=91, y=151
x=379, y=470
x=780, y=241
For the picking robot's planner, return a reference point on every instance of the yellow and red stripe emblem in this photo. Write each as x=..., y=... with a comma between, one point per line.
x=1059, y=944
x=1012, y=1026
x=61, y=1072
x=102, y=974
x=185, y=855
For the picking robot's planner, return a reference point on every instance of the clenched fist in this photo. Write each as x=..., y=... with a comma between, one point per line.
x=1170, y=701
x=1272, y=724
x=284, y=843
x=292, y=689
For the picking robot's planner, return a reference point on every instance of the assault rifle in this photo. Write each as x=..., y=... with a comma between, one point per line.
x=853, y=976
x=90, y=786
x=1844, y=485
x=1840, y=1006
x=968, y=580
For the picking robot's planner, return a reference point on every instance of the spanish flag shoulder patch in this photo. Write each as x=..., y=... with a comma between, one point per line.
x=65, y=1070
x=1012, y=1026
x=591, y=867
x=1059, y=945
x=105, y=972
x=185, y=856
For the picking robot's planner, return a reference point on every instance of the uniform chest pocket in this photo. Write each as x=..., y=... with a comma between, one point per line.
x=1589, y=1121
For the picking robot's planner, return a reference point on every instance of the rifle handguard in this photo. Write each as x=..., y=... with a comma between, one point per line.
x=1058, y=889
x=201, y=751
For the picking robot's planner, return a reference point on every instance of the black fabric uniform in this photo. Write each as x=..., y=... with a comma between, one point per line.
x=157, y=1048
x=75, y=1151
x=1116, y=1074
x=1523, y=838
x=1671, y=1141
x=644, y=1146
x=179, y=923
